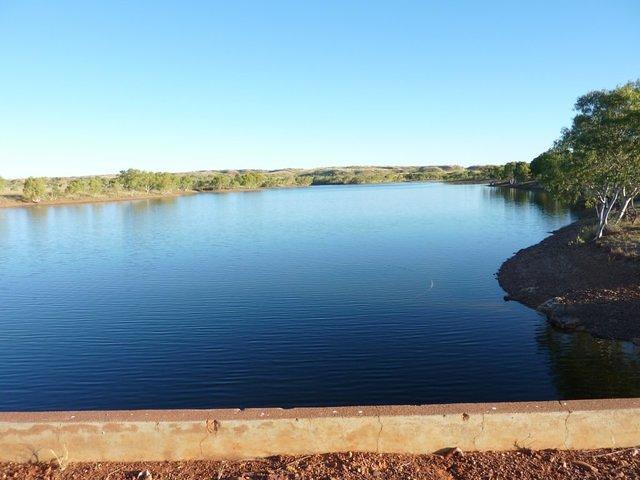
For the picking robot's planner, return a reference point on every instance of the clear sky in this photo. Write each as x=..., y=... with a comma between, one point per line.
x=97, y=86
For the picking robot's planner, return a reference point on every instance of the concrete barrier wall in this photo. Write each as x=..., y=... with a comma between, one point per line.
x=230, y=434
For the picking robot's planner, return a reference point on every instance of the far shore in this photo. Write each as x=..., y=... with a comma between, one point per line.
x=529, y=185
x=17, y=201
x=580, y=285
x=134, y=184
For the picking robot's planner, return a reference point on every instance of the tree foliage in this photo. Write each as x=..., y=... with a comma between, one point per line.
x=134, y=181
x=546, y=166
x=34, y=189
x=597, y=159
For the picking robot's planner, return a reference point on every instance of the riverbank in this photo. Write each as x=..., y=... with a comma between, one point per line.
x=135, y=184
x=523, y=464
x=579, y=285
x=16, y=201
x=531, y=185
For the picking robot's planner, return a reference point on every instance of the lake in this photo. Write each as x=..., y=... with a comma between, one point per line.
x=328, y=295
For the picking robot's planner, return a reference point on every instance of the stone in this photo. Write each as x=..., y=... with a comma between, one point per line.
x=565, y=322
x=552, y=306
x=558, y=314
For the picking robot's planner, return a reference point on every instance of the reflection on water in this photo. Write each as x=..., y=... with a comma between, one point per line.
x=587, y=367
x=543, y=200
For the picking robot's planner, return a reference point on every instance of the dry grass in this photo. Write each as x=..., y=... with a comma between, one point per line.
x=623, y=240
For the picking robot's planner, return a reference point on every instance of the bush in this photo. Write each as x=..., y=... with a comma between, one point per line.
x=76, y=186
x=95, y=185
x=34, y=189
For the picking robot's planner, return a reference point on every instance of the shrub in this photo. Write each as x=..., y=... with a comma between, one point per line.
x=34, y=189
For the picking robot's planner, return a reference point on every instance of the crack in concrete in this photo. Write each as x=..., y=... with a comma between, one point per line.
x=477, y=437
x=379, y=434
x=566, y=429
x=566, y=424
x=209, y=430
x=613, y=437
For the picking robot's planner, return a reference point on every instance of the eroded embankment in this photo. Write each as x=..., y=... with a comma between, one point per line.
x=579, y=286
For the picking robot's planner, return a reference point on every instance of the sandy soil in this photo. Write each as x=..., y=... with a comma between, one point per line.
x=13, y=201
x=593, y=290
x=522, y=465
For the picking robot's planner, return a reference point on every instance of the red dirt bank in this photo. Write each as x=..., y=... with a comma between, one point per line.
x=585, y=286
x=521, y=465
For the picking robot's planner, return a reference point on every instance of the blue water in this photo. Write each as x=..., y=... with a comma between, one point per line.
x=332, y=295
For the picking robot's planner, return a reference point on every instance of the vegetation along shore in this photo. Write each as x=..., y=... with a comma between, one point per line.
x=135, y=184
x=587, y=276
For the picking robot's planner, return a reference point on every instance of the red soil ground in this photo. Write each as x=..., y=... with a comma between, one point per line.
x=521, y=465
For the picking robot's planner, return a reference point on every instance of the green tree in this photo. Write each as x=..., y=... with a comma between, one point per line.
x=3, y=184
x=164, y=182
x=95, y=185
x=34, y=189
x=251, y=179
x=509, y=172
x=545, y=167
x=600, y=153
x=186, y=182
x=114, y=185
x=76, y=186
x=137, y=180
x=219, y=181
x=493, y=172
x=129, y=178
x=303, y=180
x=521, y=172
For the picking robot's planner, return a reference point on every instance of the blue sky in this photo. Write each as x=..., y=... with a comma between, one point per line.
x=91, y=87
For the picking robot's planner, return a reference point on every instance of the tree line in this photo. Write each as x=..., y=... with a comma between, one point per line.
x=131, y=181
x=134, y=181
x=597, y=159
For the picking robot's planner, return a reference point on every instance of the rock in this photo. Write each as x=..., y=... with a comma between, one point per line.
x=454, y=451
x=558, y=314
x=565, y=322
x=552, y=306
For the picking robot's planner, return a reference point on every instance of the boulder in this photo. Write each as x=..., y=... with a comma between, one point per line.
x=559, y=314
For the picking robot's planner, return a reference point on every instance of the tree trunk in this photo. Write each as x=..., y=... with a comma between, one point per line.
x=623, y=209
x=603, y=217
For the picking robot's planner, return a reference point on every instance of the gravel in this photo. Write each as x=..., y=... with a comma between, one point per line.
x=454, y=464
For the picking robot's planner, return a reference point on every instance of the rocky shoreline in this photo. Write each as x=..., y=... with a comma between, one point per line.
x=579, y=286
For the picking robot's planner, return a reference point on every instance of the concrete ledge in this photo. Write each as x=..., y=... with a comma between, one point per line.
x=228, y=434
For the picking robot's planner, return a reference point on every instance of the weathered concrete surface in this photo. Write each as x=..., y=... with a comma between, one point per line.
x=215, y=434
